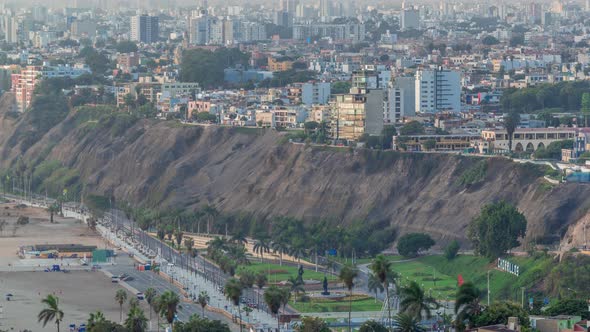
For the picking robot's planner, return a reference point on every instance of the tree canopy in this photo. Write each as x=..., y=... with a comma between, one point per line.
x=553, y=150
x=410, y=245
x=412, y=128
x=207, y=68
x=497, y=229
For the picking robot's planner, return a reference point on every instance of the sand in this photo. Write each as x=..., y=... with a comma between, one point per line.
x=39, y=231
x=80, y=293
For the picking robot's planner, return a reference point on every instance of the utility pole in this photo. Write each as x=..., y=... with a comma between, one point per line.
x=489, y=287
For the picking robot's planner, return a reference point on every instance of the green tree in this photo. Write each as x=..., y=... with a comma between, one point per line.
x=452, y=249
x=168, y=305
x=340, y=87
x=408, y=323
x=347, y=275
x=410, y=245
x=429, y=144
x=136, y=320
x=586, y=107
x=121, y=297
x=51, y=312
x=553, y=150
x=93, y=319
x=247, y=278
x=198, y=324
x=499, y=312
x=372, y=326
x=497, y=229
x=511, y=122
x=415, y=303
x=387, y=135
x=570, y=307
x=381, y=268
x=126, y=46
x=150, y=295
x=467, y=305
x=273, y=299
x=261, y=247
x=490, y=40
x=312, y=324
x=233, y=292
x=412, y=128
x=261, y=281
x=374, y=285
x=203, y=300
x=52, y=209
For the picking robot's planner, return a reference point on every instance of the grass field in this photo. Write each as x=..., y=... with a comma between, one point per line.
x=502, y=285
x=282, y=273
x=359, y=303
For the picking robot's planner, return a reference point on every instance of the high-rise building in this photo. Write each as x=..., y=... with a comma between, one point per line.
x=289, y=6
x=83, y=29
x=325, y=8
x=315, y=93
x=438, y=90
x=400, y=101
x=11, y=26
x=357, y=113
x=410, y=19
x=145, y=29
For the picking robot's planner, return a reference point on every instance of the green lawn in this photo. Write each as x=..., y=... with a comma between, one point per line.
x=502, y=285
x=359, y=303
x=361, y=261
x=282, y=273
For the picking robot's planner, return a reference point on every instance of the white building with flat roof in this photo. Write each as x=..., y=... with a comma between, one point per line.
x=438, y=90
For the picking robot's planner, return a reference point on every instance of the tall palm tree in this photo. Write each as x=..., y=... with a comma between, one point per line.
x=203, y=300
x=239, y=238
x=52, y=209
x=95, y=318
x=150, y=295
x=281, y=248
x=285, y=297
x=157, y=307
x=415, y=302
x=136, y=320
x=273, y=299
x=261, y=281
x=381, y=268
x=295, y=286
x=216, y=243
x=298, y=250
x=347, y=274
x=233, y=292
x=52, y=311
x=168, y=305
x=374, y=285
x=189, y=243
x=408, y=323
x=121, y=297
x=467, y=304
x=211, y=213
x=261, y=247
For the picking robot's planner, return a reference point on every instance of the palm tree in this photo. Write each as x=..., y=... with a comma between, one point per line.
x=260, y=247
x=408, y=323
x=203, y=300
x=95, y=318
x=136, y=320
x=189, y=243
x=233, y=292
x=150, y=295
x=121, y=297
x=51, y=312
x=261, y=281
x=168, y=304
x=285, y=297
x=297, y=251
x=272, y=298
x=52, y=209
x=179, y=236
x=211, y=213
x=381, y=268
x=239, y=239
x=374, y=285
x=414, y=302
x=467, y=303
x=296, y=286
x=157, y=307
x=281, y=248
x=215, y=244
x=347, y=274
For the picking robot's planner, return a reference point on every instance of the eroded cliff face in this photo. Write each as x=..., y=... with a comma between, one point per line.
x=166, y=164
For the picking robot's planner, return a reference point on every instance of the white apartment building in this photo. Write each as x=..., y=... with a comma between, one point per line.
x=400, y=100
x=315, y=93
x=438, y=90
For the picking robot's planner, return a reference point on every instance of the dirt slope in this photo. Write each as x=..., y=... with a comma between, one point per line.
x=161, y=163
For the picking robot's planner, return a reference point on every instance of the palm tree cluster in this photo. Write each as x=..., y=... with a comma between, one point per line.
x=227, y=254
x=275, y=297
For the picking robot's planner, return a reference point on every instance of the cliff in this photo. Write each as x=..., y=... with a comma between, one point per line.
x=239, y=170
